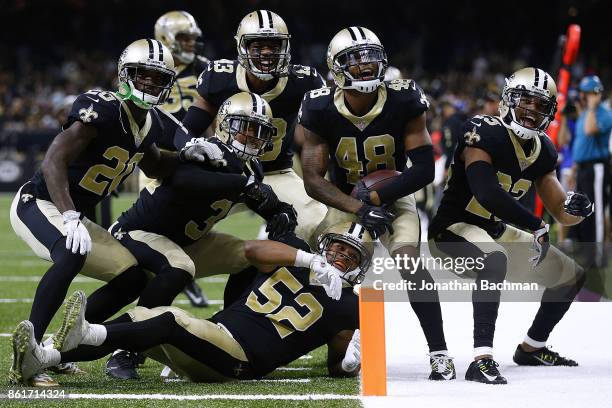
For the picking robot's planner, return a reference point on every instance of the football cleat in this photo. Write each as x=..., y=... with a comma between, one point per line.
x=542, y=357
x=485, y=371
x=442, y=368
x=122, y=365
x=74, y=326
x=42, y=380
x=196, y=296
x=66, y=368
x=27, y=357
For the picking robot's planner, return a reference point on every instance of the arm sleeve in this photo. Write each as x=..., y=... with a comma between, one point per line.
x=413, y=178
x=198, y=182
x=486, y=189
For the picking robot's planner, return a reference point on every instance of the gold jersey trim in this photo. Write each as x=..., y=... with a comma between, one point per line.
x=361, y=122
x=524, y=160
x=268, y=96
x=139, y=134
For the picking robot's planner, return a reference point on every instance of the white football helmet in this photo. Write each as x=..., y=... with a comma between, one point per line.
x=264, y=25
x=357, y=47
x=141, y=59
x=173, y=23
x=529, y=102
x=244, y=122
x=355, y=236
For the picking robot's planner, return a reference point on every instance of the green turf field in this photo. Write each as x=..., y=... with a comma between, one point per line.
x=19, y=271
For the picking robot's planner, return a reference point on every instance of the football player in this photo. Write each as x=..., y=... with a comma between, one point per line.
x=105, y=136
x=179, y=31
x=259, y=332
x=495, y=163
x=263, y=67
x=365, y=124
x=170, y=216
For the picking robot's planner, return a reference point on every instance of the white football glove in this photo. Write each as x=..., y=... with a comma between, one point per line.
x=540, y=245
x=201, y=150
x=326, y=274
x=352, y=357
x=77, y=236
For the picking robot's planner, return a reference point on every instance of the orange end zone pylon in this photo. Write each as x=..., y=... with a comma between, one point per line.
x=373, y=354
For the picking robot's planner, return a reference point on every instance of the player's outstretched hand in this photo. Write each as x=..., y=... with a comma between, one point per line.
x=578, y=204
x=541, y=244
x=377, y=220
x=77, y=236
x=352, y=358
x=201, y=150
x=328, y=276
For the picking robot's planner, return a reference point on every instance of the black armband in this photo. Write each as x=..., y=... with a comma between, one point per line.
x=194, y=124
x=485, y=187
x=413, y=178
x=192, y=179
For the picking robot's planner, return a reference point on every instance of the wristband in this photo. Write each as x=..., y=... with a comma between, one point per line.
x=303, y=259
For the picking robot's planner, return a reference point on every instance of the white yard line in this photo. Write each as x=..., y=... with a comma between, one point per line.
x=294, y=368
x=84, y=279
x=304, y=397
x=176, y=302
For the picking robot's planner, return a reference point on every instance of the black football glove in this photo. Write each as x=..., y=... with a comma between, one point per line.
x=541, y=244
x=363, y=193
x=578, y=204
x=377, y=220
x=260, y=197
x=283, y=222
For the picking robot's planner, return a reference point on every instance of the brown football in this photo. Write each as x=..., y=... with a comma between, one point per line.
x=377, y=179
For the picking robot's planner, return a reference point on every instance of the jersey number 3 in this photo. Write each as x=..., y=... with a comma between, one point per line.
x=288, y=313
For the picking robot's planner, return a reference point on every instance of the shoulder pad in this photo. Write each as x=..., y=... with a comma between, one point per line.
x=484, y=132
x=218, y=76
x=310, y=75
x=313, y=105
x=94, y=107
x=409, y=94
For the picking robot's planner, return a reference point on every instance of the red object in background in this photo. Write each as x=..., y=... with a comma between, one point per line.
x=570, y=53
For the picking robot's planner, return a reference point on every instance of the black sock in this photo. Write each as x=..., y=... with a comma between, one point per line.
x=486, y=302
x=426, y=306
x=555, y=303
x=119, y=292
x=164, y=287
x=53, y=286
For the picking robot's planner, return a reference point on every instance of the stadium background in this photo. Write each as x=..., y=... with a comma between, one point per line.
x=54, y=50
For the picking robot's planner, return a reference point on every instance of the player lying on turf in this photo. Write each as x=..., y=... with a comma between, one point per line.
x=283, y=315
x=366, y=124
x=106, y=135
x=263, y=67
x=494, y=165
x=169, y=228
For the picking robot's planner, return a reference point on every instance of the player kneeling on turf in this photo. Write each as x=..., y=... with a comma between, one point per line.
x=259, y=332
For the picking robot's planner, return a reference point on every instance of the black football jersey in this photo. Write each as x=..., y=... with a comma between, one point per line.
x=181, y=97
x=516, y=171
x=360, y=145
x=111, y=157
x=282, y=317
x=224, y=78
x=177, y=215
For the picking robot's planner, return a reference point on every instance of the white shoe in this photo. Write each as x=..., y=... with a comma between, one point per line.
x=74, y=326
x=27, y=354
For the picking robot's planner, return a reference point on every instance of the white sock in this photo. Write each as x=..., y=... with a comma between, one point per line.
x=439, y=352
x=48, y=342
x=95, y=336
x=482, y=351
x=51, y=356
x=534, y=343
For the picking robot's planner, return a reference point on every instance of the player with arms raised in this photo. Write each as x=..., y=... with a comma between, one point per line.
x=494, y=165
x=263, y=67
x=364, y=125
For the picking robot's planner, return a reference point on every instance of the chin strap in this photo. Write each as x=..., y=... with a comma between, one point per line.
x=125, y=94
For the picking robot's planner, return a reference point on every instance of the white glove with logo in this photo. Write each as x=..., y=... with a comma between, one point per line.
x=201, y=150
x=326, y=274
x=352, y=357
x=77, y=236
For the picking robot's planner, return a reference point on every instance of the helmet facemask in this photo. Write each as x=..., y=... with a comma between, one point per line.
x=528, y=112
x=363, y=67
x=353, y=268
x=249, y=137
x=180, y=52
x=273, y=62
x=134, y=86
